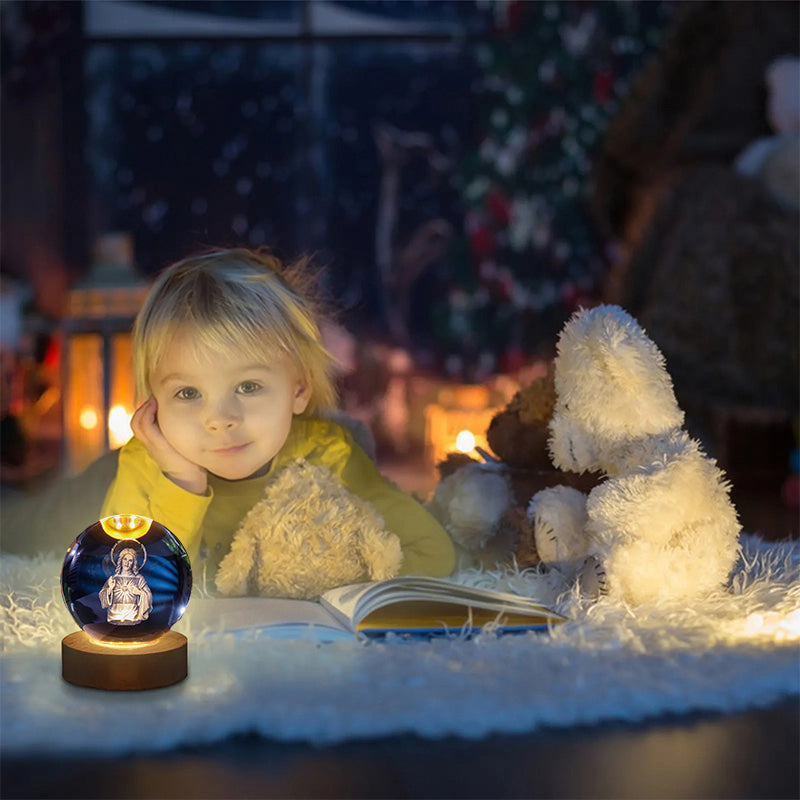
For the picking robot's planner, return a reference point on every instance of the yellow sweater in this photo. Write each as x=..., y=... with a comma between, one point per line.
x=206, y=524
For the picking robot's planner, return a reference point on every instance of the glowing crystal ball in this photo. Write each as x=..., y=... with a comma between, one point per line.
x=126, y=578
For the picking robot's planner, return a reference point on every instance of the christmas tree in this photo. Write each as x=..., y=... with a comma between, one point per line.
x=552, y=77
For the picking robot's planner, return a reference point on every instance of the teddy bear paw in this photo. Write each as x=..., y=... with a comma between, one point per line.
x=558, y=515
x=592, y=579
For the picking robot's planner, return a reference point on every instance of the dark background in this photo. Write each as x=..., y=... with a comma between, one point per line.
x=189, y=137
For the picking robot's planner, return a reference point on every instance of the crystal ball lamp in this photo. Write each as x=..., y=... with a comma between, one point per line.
x=126, y=580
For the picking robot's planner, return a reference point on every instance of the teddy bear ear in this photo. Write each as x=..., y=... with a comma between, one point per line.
x=613, y=358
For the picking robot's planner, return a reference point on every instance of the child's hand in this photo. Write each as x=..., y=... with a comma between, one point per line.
x=177, y=468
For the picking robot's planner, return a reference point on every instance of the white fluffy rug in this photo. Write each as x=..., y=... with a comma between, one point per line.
x=737, y=649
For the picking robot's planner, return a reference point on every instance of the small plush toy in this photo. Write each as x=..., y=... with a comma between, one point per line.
x=471, y=503
x=661, y=525
x=518, y=433
x=306, y=535
x=483, y=505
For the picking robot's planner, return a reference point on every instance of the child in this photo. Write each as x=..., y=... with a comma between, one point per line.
x=228, y=355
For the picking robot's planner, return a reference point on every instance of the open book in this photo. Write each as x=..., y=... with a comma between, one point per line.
x=406, y=605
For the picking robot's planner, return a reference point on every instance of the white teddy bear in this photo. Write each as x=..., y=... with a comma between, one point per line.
x=661, y=525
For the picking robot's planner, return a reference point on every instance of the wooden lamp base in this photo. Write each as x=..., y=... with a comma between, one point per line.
x=86, y=662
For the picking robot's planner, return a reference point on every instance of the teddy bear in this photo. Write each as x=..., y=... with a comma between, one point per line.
x=661, y=525
x=517, y=434
x=475, y=504
x=307, y=534
x=483, y=504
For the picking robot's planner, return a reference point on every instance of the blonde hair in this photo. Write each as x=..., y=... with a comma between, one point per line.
x=239, y=300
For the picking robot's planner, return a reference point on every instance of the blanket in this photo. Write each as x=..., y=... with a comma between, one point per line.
x=735, y=649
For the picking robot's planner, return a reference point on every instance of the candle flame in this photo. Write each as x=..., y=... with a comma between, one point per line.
x=465, y=441
x=88, y=418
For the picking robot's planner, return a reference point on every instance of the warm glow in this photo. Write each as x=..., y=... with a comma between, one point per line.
x=465, y=441
x=126, y=526
x=88, y=418
x=781, y=627
x=84, y=407
x=133, y=644
x=119, y=426
x=98, y=395
x=460, y=424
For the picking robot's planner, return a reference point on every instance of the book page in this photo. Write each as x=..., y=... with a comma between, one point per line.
x=344, y=600
x=359, y=602
x=379, y=594
x=426, y=616
x=274, y=617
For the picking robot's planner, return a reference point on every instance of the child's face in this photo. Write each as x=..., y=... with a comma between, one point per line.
x=223, y=411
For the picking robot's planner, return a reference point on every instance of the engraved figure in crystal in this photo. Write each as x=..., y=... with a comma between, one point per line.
x=126, y=594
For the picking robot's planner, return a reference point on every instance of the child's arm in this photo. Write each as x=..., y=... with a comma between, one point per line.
x=140, y=487
x=427, y=547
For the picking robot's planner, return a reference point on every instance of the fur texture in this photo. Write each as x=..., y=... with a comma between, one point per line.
x=662, y=525
x=728, y=651
x=472, y=505
x=470, y=502
x=305, y=536
x=560, y=524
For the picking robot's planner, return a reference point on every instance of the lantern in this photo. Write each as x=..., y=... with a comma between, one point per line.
x=98, y=387
x=458, y=421
x=126, y=580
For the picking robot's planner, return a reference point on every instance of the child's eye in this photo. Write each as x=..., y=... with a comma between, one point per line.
x=248, y=387
x=187, y=393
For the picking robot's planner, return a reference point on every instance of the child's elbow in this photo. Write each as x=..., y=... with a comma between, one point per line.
x=447, y=562
x=444, y=567
x=436, y=561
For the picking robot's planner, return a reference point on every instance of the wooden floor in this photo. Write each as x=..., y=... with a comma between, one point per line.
x=749, y=755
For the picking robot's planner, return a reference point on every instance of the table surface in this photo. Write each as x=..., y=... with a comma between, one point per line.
x=744, y=755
